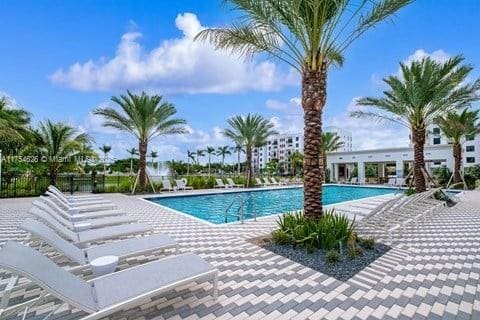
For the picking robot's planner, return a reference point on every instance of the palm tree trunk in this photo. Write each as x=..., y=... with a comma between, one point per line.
x=53, y=174
x=209, y=165
x=248, y=173
x=418, y=159
x=457, y=155
x=314, y=94
x=142, y=150
x=131, y=166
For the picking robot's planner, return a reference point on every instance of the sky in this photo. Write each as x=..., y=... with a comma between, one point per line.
x=61, y=59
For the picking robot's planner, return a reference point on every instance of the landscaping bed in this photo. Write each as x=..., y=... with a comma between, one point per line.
x=343, y=269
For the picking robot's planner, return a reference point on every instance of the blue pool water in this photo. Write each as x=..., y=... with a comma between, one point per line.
x=212, y=207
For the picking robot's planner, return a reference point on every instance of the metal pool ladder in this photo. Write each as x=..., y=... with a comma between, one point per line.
x=240, y=214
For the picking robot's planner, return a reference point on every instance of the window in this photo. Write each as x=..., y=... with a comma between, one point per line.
x=296, y=138
x=296, y=145
x=437, y=163
x=471, y=137
x=436, y=130
x=470, y=159
x=470, y=148
x=436, y=140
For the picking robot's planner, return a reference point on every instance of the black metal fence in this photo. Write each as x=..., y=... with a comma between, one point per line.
x=28, y=185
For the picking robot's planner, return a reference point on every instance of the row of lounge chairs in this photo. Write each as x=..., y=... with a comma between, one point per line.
x=397, y=213
x=180, y=185
x=394, y=182
x=84, y=230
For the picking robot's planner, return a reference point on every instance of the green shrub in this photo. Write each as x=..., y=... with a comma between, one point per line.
x=323, y=233
x=332, y=256
x=280, y=237
x=354, y=251
x=367, y=243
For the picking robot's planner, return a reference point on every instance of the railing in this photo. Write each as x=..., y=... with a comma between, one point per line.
x=240, y=213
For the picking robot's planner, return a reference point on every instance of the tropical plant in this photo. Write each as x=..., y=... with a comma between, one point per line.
x=296, y=161
x=59, y=146
x=105, y=150
x=425, y=90
x=247, y=131
x=238, y=149
x=145, y=117
x=198, y=154
x=190, y=156
x=222, y=152
x=210, y=150
x=330, y=142
x=310, y=36
x=153, y=155
x=132, y=152
x=456, y=126
x=272, y=166
x=13, y=124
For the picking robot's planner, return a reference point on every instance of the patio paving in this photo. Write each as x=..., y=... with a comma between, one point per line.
x=432, y=272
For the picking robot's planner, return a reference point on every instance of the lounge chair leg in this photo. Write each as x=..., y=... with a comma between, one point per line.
x=215, y=286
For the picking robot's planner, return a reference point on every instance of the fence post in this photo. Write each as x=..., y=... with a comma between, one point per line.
x=71, y=184
x=94, y=181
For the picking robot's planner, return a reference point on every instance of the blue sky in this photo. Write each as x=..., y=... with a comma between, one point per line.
x=61, y=59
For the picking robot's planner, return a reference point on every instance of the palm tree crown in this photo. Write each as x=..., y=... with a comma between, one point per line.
x=309, y=36
x=248, y=131
x=223, y=151
x=145, y=117
x=13, y=123
x=426, y=90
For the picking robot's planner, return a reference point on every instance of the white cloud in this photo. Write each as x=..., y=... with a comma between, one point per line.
x=437, y=55
x=175, y=65
x=11, y=102
x=369, y=134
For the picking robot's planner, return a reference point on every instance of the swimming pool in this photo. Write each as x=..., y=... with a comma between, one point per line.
x=212, y=207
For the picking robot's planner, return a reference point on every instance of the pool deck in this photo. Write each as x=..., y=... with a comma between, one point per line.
x=432, y=272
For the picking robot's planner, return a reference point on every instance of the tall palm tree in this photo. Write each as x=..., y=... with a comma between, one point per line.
x=190, y=156
x=132, y=152
x=199, y=153
x=247, y=131
x=105, y=150
x=145, y=117
x=210, y=150
x=456, y=127
x=330, y=142
x=425, y=90
x=59, y=146
x=238, y=149
x=153, y=155
x=223, y=151
x=310, y=36
x=13, y=124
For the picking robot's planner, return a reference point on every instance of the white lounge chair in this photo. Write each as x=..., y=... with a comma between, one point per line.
x=391, y=181
x=75, y=214
x=167, y=186
x=74, y=223
x=399, y=182
x=272, y=181
x=76, y=197
x=260, y=182
x=121, y=248
x=232, y=183
x=182, y=185
x=83, y=238
x=219, y=184
x=63, y=198
x=80, y=207
x=104, y=295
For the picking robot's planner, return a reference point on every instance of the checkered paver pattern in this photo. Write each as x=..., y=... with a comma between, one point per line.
x=432, y=272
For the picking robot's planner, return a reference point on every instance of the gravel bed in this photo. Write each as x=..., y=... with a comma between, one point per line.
x=341, y=270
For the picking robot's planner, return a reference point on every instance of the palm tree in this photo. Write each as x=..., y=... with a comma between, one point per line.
x=59, y=146
x=105, y=150
x=145, y=117
x=132, y=152
x=310, y=36
x=247, y=131
x=456, y=127
x=198, y=154
x=330, y=142
x=13, y=124
x=210, y=150
x=238, y=149
x=296, y=161
x=190, y=156
x=426, y=90
x=223, y=152
x=153, y=155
